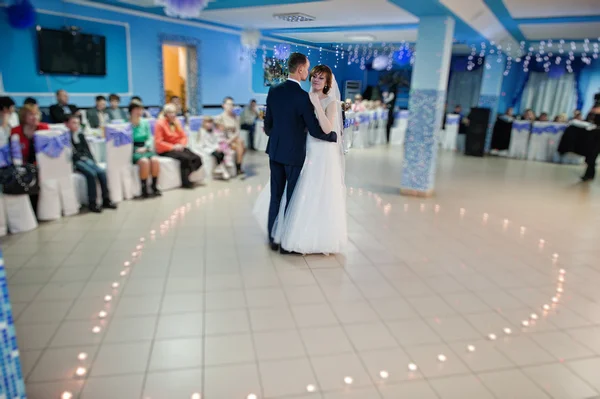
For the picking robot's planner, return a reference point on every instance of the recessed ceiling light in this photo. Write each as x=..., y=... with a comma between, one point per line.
x=361, y=38
x=294, y=17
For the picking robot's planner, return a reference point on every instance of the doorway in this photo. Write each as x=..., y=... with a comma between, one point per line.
x=175, y=74
x=179, y=65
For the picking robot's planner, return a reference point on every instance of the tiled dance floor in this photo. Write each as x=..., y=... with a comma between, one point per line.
x=491, y=289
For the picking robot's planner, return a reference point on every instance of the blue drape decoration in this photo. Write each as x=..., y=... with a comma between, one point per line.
x=520, y=87
x=5, y=158
x=556, y=70
x=120, y=135
x=464, y=84
x=52, y=146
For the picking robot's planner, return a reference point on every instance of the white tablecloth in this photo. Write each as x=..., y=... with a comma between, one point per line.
x=260, y=138
x=519, y=139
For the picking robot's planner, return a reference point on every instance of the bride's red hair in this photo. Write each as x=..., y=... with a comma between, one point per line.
x=326, y=71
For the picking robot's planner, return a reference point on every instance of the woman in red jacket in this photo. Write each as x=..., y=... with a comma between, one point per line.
x=28, y=125
x=170, y=141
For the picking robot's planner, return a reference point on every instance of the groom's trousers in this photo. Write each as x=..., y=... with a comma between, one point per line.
x=280, y=175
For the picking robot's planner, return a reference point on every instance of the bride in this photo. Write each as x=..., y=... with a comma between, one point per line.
x=315, y=219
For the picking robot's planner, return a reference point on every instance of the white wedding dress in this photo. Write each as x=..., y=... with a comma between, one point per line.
x=315, y=221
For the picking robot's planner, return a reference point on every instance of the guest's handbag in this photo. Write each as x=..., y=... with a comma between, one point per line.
x=19, y=180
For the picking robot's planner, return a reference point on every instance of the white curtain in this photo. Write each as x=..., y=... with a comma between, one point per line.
x=464, y=89
x=548, y=94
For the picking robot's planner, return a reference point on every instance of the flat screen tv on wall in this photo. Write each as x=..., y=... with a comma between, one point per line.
x=68, y=52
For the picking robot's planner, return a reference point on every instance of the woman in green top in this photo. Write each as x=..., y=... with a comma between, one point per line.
x=143, y=155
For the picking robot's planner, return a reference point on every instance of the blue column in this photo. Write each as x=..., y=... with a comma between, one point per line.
x=12, y=384
x=426, y=104
x=491, y=88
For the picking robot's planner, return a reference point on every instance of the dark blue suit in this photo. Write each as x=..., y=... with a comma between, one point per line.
x=289, y=114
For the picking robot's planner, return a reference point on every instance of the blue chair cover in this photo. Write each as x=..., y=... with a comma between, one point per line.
x=52, y=146
x=452, y=119
x=120, y=135
x=521, y=125
x=195, y=123
x=5, y=158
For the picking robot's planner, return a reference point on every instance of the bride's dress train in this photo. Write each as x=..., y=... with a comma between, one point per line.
x=315, y=220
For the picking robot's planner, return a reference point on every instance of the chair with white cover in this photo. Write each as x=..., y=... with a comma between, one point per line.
x=152, y=123
x=553, y=135
x=519, y=139
x=349, y=126
x=55, y=173
x=119, y=147
x=538, y=142
x=399, y=129
x=260, y=138
x=360, y=139
x=16, y=212
x=381, y=136
x=451, y=132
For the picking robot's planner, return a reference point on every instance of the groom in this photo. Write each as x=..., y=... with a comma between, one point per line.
x=289, y=114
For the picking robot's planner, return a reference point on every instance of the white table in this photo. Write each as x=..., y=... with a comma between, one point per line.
x=260, y=138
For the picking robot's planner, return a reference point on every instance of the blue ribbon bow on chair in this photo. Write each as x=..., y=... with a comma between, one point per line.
x=52, y=146
x=364, y=118
x=5, y=158
x=120, y=135
x=452, y=120
x=195, y=123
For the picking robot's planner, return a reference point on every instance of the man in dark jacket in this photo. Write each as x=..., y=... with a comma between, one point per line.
x=60, y=112
x=84, y=163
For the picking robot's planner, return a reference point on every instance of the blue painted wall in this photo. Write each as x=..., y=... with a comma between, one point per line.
x=221, y=71
x=20, y=70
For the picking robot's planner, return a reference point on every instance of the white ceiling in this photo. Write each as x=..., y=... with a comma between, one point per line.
x=392, y=36
x=552, y=8
x=478, y=15
x=580, y=30
x=327, y=13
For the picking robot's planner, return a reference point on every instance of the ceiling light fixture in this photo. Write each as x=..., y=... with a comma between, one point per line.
x=294, y=17
x=361, y=38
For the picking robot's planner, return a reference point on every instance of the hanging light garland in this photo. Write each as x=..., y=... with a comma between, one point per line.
x=545, y=54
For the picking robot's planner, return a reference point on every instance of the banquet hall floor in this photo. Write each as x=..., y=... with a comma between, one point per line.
x=205, y=310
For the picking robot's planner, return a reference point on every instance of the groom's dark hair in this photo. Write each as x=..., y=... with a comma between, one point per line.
x=296, y=60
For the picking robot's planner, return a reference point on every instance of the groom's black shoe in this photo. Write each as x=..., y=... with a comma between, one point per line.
x=274, y=247
x=284, y=252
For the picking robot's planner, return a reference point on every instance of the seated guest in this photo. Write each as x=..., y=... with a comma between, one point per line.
x=358, y=105
x=176, y=101
x=562, y=118
x=98, y=116
x=143, y=155
x=29, y=124
x=60, y=112
x=114, y=112
x=544, y=117
x=170, y=141
x=577, y=115
x=231, y=125
x=248, y=121
x=211, y=141
x=508, y=115
x=33, y=102
x=84, y=163
x=529, y=115
x=7, y=109
x=138, y=99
